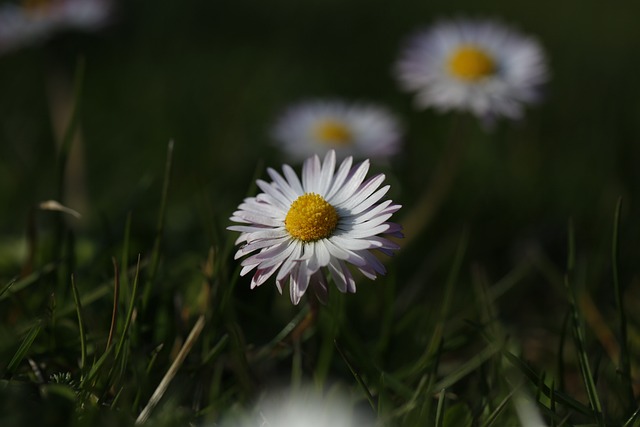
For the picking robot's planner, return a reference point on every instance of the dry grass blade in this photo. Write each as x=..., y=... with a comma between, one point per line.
x=173, y=369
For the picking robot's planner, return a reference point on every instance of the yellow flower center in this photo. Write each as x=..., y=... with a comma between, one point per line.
x=311, y=218
x=471, y=63
x=333, y=132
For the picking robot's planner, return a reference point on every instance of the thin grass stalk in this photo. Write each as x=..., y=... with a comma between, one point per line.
x=63, y=155
x=387, y=316
x=116, y=293
x=426, y=359
x=624, y=361
x=95, y=369
x=239, y=356
x=172, y=371
x=23, y=349
x=128, y=319
x=552, y=404
x=407, y=409
x=493, y=416
x=330, y=328
x=266, y=350
x=83, y=338
x=212, y=354
x=578, y=333
x=120, y=353
x=425, y=409
x=357, y=377
x=72, y=127
x=440, y=409
x=7, y=287
x=561, y=347
x=125, y=291
x=470, y=366
x=560, y=397
x=296, y=366
x=630, y=422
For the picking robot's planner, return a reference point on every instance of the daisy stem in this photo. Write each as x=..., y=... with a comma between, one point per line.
x=440, y=183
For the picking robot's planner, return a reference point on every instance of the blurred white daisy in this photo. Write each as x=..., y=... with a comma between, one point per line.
x=303, y=406
x=35, y=20
x=351, y=129
x=479, y=66
x=298, y=229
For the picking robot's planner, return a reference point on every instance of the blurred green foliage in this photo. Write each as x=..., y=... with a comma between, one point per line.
x=212, y=77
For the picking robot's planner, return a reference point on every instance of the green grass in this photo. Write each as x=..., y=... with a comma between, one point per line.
x=517, y=287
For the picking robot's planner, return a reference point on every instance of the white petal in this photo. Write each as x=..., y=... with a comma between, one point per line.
x=262, y=274
x=351, y=184
x=349, y=243
x=363, y=233
x=370, y=201
x=343, y=254
x=283, y=185
x=339, y=178
x=259, y=244
x=298, y=284
x=311, y=174
x=271, y=256
x=290, y=262
x=373, y=262
x=319, y=285
x=293, y=180
x=322, y=252
x=365, y=190
x=326, y=175
x=280, y=199
x=339, y=279
x=244, y=216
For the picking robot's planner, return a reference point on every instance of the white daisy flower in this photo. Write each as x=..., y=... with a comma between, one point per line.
x=303, y=406
x=351, y=129
x=35, y=20
x=478, y=66
x=300, y=229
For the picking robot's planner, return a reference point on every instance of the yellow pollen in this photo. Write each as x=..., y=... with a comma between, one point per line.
x=311, y=218
x=471, y=63
x=333, y=132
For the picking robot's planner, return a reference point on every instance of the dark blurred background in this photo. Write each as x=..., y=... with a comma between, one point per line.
x=212, y=76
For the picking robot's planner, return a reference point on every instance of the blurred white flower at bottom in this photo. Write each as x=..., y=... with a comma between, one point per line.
x=304, y=407
x=528, y=413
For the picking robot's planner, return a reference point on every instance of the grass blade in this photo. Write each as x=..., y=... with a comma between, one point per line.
x=132, y=305
x=173, y=369
x=427, y=357
x=124, y=262
x=632, y=418
x=578, y=333
x=71, y=129
x=24, y=348
x=559, y=396
x=357, y=377
x=7, y=287
x=440, y=409
x=470, y=366
x=83, y=341
x=116, y=299
x=624, y=362
x=493, y=416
